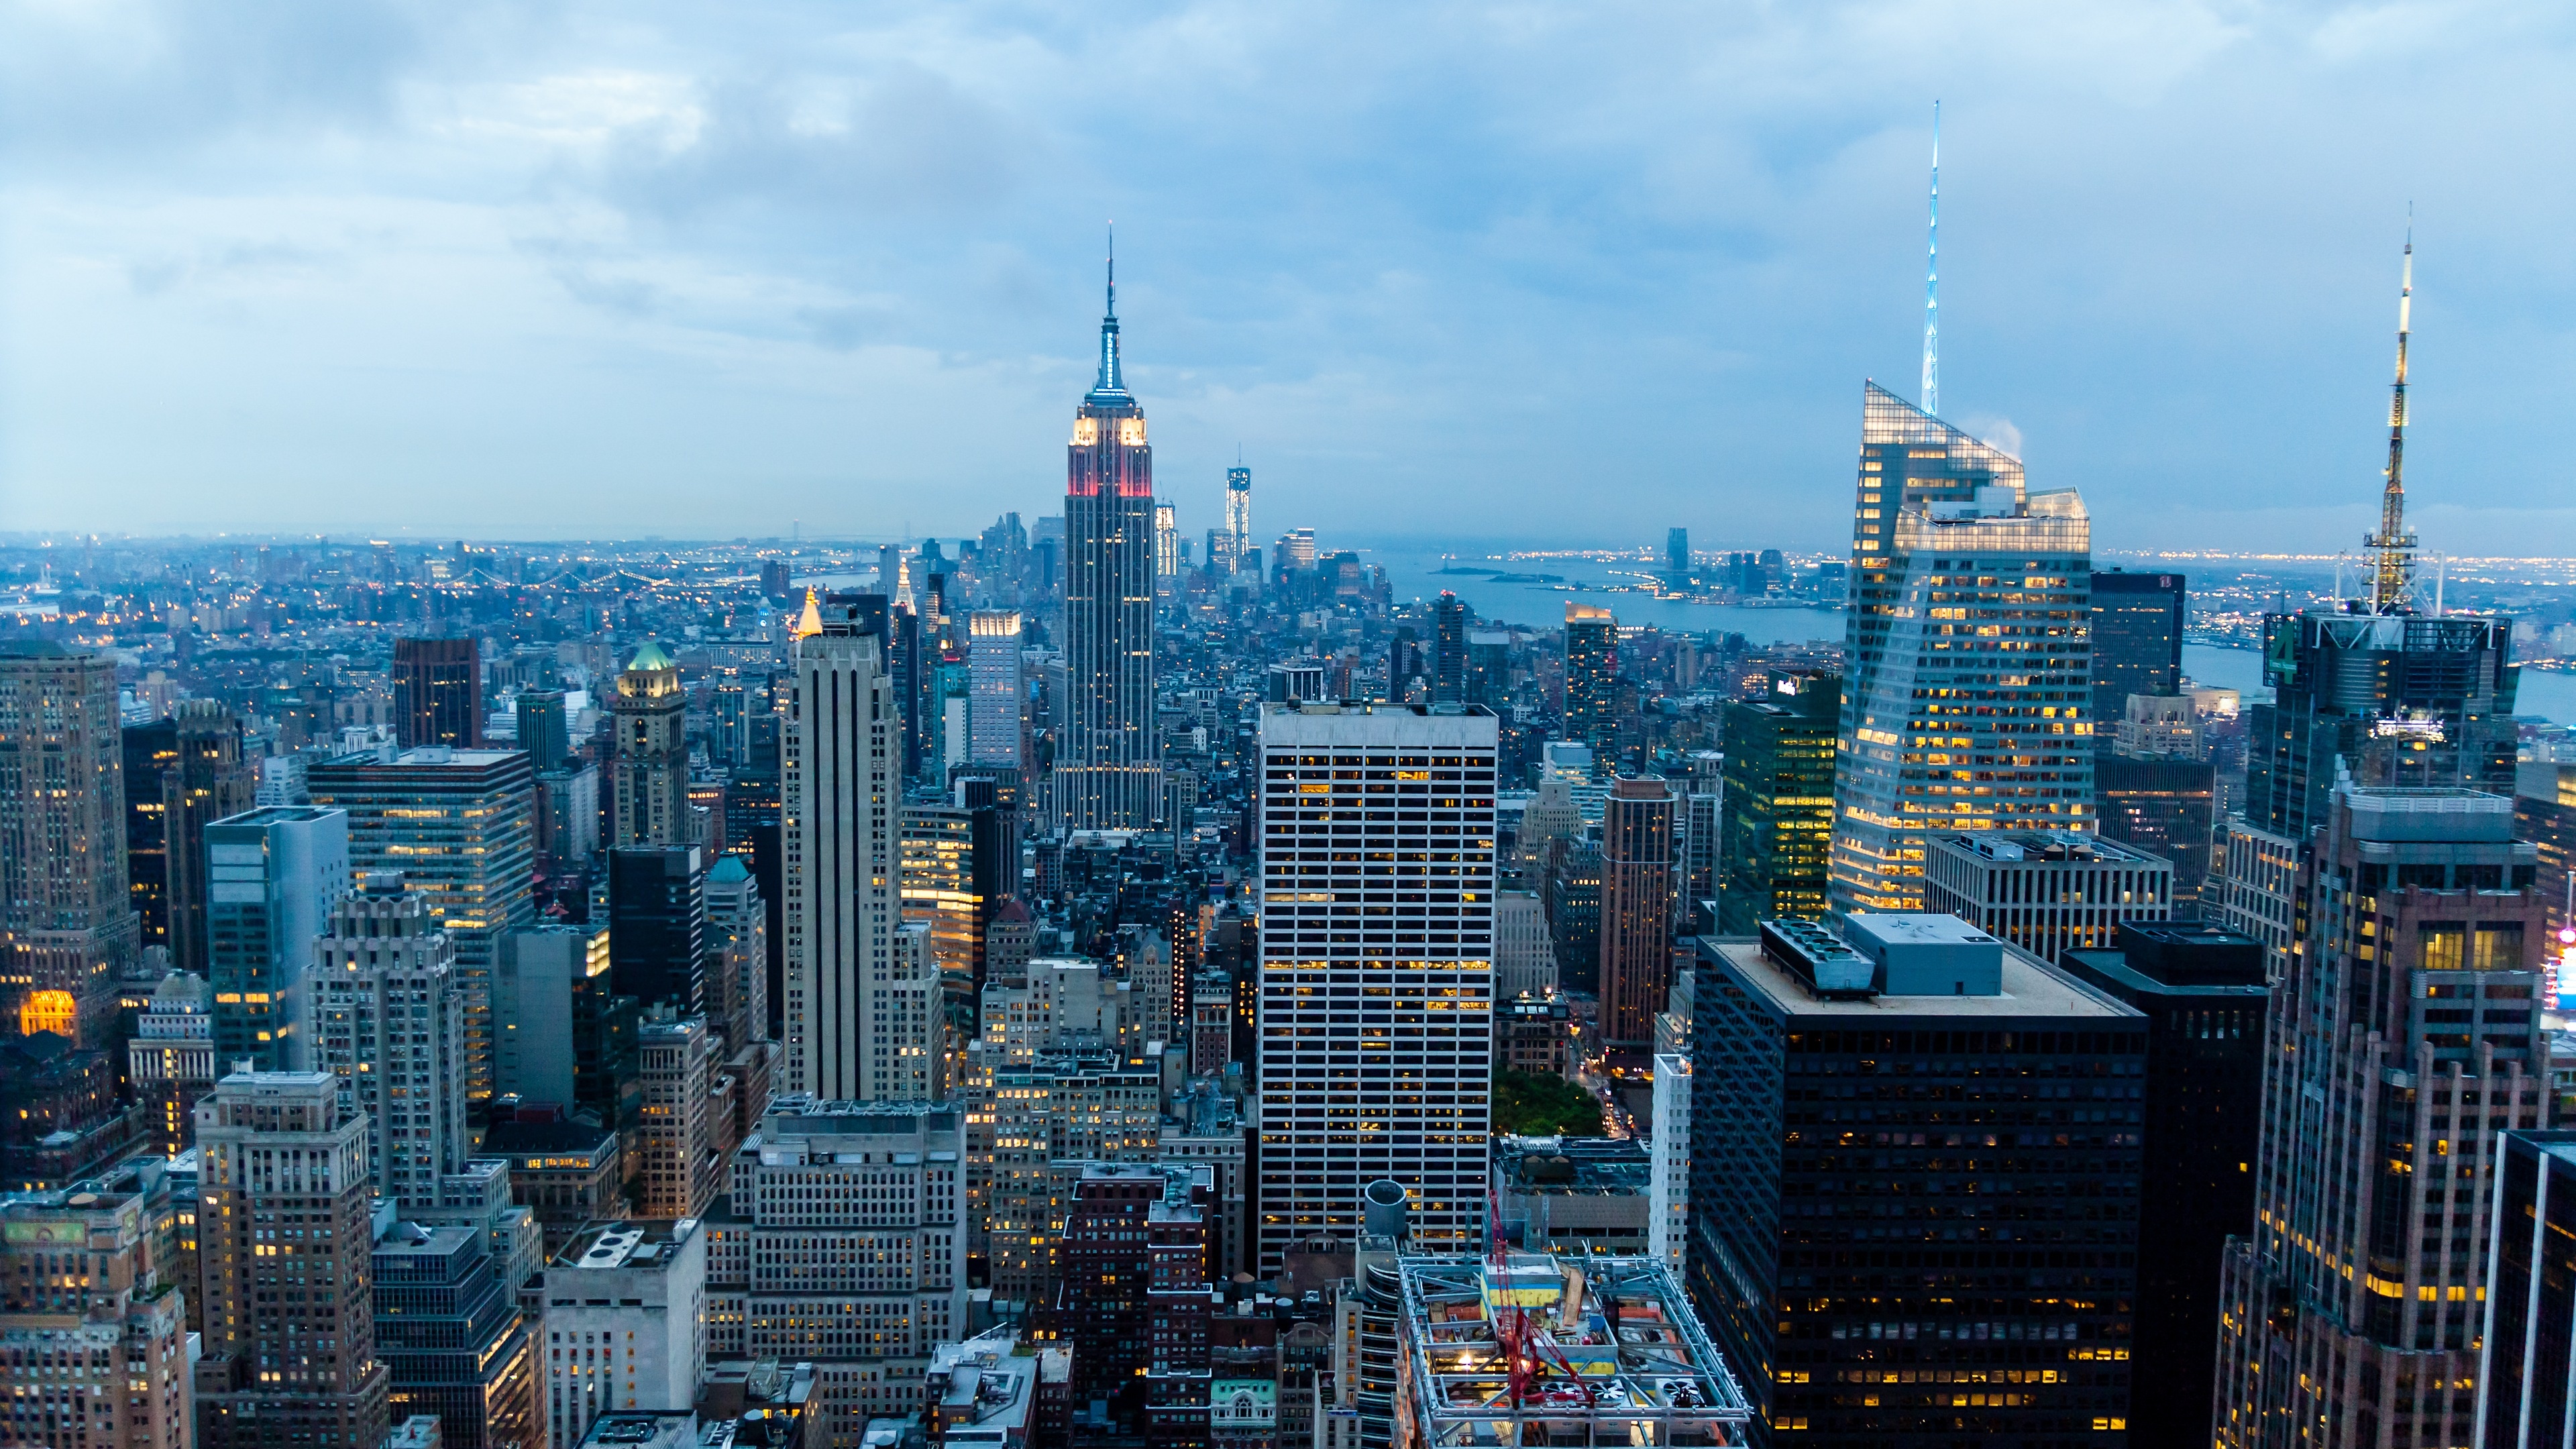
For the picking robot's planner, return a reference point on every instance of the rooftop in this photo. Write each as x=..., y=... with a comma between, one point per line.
x=1615, y=1340
x=2032, y=847
x=2030, y=989
x=640, y=1244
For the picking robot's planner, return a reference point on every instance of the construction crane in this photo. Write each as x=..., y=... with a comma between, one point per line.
x=1527, y=1347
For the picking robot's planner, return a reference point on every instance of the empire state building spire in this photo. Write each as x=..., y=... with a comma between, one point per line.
x=1111, y=386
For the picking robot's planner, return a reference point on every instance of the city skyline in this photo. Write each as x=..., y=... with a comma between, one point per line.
x=688, y=269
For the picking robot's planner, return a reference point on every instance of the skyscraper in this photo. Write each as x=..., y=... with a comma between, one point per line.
x=438, y=693
x=1677, y=554
x=389, y=1024
x=66, y=920
x=282, y=1251
x=1108, y=767
x=657, y=925
x=1776, y=813
x=1238, y=513
x=2137, y=639
x=2402, y=1045
x=205, y=780
x=275, y=876
x=1167, y=545
x=2375, y=687
x=1968, y=678
x=1341, y=1105
x=649, y=771
x=100, y=1352
x=457, y=824
x=1591, y=682
x=1975, y=1286
x=997, y=707
x=1448, y=649
x=843, y=779
x=1637, y=836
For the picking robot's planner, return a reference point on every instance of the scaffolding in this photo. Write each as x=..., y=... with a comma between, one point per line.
x=1531, y=1349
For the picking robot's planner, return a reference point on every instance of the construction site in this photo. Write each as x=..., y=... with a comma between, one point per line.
x=1529, y=1348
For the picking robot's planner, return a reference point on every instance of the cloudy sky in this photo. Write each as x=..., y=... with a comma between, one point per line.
x=1502, y=272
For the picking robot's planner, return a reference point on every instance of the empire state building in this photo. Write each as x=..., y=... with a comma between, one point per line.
x=1108, y=764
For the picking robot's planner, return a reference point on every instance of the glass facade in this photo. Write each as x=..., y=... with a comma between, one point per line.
x=1968, y=669
x=1777, y=809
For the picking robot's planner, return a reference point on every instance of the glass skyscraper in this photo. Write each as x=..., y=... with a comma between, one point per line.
x=1967, y=669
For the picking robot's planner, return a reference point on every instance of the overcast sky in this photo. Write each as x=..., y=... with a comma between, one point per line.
x=1479, y=272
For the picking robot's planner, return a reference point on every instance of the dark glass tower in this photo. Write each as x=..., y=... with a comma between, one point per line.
x=438, y=693
x=2137, y=639
x=1776, y=811
x=1448, y=650
x=1108, y=769
x=657, y=925
x=1592, y=682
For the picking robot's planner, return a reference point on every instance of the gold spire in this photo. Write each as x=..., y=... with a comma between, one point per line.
x=811, y=622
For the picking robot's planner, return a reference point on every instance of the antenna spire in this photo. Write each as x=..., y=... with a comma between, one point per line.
x=2395, y=574
x=1932, y=281
x=1111, y=385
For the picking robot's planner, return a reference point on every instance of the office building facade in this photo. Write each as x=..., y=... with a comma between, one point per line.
x=389, y=1025
x=457, y=824
x=1967, y=674
x=205, y=780
x=2137, y=638
x=283, y=1240
x=1342, y=1108
x=649, y=753
x=1637, y=841
x=1914, y=1217
x=1776, y=812
x=2405, y=1042
x=1108, y=773
x=92, y=1316
x=1592, y=680
x=840, y=843
x=66, y=919
x=2202, y=991
x=657, y=925
x=2047, y=894
x=274, y=876
x=998, y=707
x=438, y=693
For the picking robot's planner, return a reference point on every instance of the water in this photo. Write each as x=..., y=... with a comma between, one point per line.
x=1542, y=605
x=2550, y=694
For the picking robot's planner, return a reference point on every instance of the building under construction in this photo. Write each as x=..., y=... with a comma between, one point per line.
x=1528, y=1348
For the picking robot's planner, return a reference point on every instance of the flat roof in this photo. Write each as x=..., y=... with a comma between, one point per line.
x=1362, y=726
x=2030, y=988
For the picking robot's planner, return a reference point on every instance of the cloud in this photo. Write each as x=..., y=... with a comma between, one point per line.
x=1603, y=270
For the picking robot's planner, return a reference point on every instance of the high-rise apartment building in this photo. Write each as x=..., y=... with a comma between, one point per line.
x=389, y=1025
x=1108, y=764
x=2404, y=1042
x=842, y=748
x=997, y=708
x=1591, y=681
x=1968, y=678
x=283, y=1239
x=1637, y=839
x=847, y=1248
x=2047, y=894
x=2137, y=639
x=649, y=759
x=1776, y=811
x=1977, y=1285
x=66, y=920
x=657, y=925
x=1448, y=649
x=456, y=824
x=438, y=693
x=93, y=1318
x=274, y=876
x=1135, y=1296
x=206, y=780
x=1341, y=1105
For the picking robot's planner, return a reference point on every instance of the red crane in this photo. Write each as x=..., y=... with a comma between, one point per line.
x=1521, y=1341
